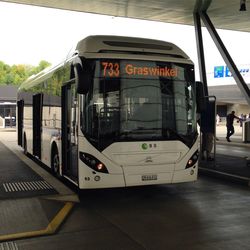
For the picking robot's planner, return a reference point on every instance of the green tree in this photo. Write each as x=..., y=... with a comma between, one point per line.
x=17, y=74
x=42, y=65
x=4, y=70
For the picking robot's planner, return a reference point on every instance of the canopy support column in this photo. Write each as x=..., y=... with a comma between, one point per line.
x=226, y=56
x=200, y=51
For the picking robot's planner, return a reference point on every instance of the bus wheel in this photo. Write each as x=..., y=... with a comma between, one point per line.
x=55, y=163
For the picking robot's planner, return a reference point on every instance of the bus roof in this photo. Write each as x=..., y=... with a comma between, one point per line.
x=41, y=76
x=112, y=44
x=120, y=44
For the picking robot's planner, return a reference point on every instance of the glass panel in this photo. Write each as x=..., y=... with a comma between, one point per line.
x=141, y=108
x=140, y=100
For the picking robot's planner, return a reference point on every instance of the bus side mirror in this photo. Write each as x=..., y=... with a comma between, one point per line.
x=200, y=97
x=83, y=77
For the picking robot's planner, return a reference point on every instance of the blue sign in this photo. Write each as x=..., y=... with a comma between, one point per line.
x=244, y=71
x=223, y=71
x=218, y=71
x=228, y=73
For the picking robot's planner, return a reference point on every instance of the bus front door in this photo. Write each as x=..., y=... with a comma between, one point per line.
x=69, y=132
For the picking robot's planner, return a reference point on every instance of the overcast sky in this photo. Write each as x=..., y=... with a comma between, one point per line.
x=30, y=34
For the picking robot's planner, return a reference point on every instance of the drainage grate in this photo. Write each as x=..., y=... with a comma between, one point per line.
x=8, y=246
x=26, y=186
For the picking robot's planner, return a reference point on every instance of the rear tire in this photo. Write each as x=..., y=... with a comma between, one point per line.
x=55, y=163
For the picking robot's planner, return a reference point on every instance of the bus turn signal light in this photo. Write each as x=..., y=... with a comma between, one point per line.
x=193, y=159
x=100, y=166
x=93, y=162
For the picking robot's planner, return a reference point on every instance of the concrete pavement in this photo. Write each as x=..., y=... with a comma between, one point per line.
x=32, y=202
x=228, y=166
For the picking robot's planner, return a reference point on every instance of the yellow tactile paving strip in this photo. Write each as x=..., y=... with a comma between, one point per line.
x=50, y=229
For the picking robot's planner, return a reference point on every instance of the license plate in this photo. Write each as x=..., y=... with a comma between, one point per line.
x=149, y=177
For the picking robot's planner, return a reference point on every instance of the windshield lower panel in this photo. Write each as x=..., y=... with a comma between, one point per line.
x=136, y=104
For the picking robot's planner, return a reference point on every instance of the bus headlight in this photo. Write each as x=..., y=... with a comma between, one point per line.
x=193, y=159
x=93, y=162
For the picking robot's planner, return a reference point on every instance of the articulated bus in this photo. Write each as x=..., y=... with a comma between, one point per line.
x=118, y=112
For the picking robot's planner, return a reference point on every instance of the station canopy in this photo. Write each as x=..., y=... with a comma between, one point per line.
x=224, y=14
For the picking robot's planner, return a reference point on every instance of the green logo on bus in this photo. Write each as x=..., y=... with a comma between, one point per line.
x=144, y=146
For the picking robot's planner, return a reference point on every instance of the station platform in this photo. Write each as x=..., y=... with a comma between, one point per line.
x=227, y=166
x=32, y=201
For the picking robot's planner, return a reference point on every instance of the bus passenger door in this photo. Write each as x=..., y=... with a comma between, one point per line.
x=37, y=124
x=69, y=131
x=20, y=106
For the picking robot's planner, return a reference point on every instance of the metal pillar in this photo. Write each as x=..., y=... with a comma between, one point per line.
x=226, y=56
x=200, y=51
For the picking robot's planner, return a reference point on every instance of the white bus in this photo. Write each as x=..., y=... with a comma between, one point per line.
x=119, y=112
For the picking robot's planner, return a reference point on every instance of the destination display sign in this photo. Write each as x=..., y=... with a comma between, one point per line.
x=111, y=69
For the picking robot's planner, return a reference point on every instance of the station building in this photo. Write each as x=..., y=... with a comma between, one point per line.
x=8, y=95
x=228, y=98
x=228, y=95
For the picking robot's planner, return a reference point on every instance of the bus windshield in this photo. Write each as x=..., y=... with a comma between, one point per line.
x=131, y=100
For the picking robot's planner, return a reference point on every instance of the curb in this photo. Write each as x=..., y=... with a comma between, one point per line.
x=225, y=176
x=239, y=144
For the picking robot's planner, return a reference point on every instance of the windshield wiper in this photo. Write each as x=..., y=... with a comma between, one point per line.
x=140, y=131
